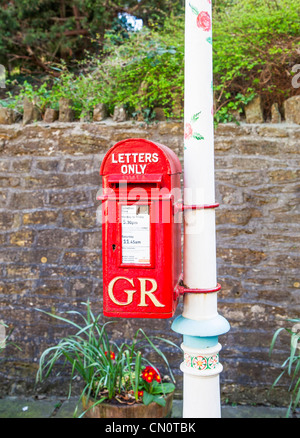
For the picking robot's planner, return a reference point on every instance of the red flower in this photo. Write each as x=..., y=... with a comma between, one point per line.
x=149, y=374
x=204, y=21
x=140, y=393
x=188, y=131
x=112, y=355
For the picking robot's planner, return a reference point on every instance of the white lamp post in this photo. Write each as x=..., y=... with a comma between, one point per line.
x=200, y=324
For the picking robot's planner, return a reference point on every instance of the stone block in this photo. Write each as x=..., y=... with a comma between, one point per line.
x=142, y=91
x=120, y=114
x=85, y=117
x=8, y=220
x=177, y=107
x=254, y=112
x=159, y=114
x=65, y=110
x=58, y=238
x=31, y=113
x=79, y=165
x=291, y=108
x=48, y=165
x=51, y=115
x=8, y=116
x=40, y=217
x=100, y=112
x=275, y=113
x=27, y=200
x=47, y=180
x=9, y=181
x=22, y=238
x=68, y=198
x=81, y=219
x=90, y=258
x=21, y=165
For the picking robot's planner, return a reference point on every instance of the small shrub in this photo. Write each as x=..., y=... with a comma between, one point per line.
x=255, y=45
x=108, y=370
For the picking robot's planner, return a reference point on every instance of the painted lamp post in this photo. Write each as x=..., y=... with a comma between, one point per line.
x=141, y=192
x=200, y=324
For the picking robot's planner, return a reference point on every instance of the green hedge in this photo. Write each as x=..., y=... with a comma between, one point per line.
x=255, y=45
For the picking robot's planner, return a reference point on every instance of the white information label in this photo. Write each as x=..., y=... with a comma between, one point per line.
x=135, y=234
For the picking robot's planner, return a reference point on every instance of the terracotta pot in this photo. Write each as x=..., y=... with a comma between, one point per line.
x=119, y=410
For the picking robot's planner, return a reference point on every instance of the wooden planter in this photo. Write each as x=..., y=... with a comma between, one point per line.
x=119, y=410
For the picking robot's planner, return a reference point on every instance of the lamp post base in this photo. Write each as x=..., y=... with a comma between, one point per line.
x=201, y=387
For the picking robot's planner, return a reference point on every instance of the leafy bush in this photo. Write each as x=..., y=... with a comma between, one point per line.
x=256, y=43
x=108, y=370
x=34, y=34
x=147, y=70
x=142, y=72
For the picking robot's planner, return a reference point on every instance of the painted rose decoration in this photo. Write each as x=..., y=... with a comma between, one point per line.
x=204, y=21
x=189, y=130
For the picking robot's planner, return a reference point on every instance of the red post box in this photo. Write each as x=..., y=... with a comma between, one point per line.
x=141, y=230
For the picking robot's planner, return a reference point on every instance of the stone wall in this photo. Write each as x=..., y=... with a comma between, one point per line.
x=51, y=245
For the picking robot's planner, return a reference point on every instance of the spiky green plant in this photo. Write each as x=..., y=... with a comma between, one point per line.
x=4, y=342
x=291, y=365
x=107, y=369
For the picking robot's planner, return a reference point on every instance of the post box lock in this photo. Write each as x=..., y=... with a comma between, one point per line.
x=141, y=233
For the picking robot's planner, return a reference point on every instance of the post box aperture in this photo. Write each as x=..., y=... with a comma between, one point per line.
x=141, y=231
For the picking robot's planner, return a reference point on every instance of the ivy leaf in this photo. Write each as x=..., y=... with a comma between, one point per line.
x=198, y=136
x=195, y=10
x=195, y=117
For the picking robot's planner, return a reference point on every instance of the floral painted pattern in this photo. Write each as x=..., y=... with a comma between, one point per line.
x=201, y=363
x=189, y=131
x=203, y=19
x=213, y=361
x=187, y=359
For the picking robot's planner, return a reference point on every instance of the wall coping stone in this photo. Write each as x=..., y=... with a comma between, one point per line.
x=78, y=138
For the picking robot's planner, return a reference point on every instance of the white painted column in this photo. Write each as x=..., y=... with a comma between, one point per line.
x=200, y=322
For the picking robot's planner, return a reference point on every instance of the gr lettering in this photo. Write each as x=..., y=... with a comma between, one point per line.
x=130, y=292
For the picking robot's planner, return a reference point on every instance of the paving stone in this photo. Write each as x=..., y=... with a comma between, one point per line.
x=13, y=407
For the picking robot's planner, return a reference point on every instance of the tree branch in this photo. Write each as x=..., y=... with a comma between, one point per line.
x=40, y=63
x=74, y=32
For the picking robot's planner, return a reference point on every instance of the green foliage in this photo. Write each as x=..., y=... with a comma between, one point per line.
x=143, y=72
x=34, y=34
x=108, y=370
x=40, y=94
x=255, y=44
x=291, y=366
x=146, y=71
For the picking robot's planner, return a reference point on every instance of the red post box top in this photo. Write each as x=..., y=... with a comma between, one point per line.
x=136, y=157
